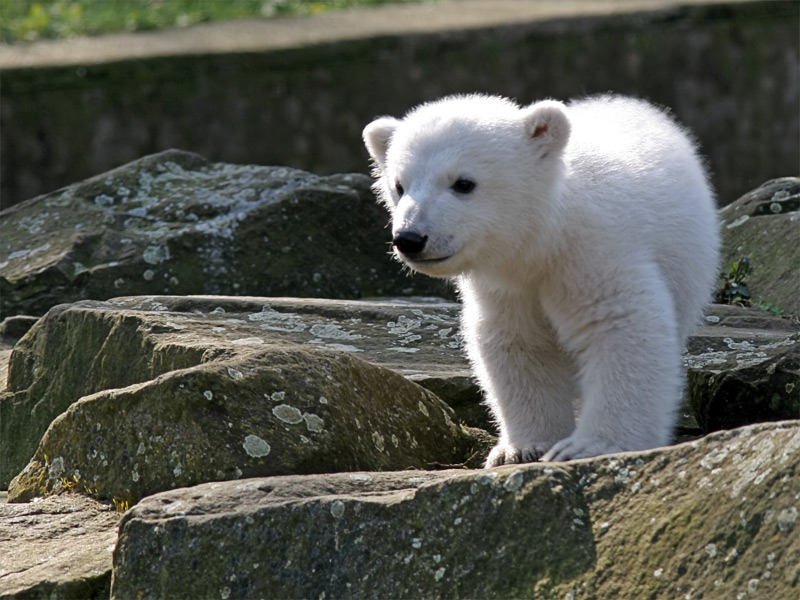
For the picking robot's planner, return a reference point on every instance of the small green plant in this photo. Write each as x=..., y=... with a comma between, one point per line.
x=734, y=283
x=734, y=288
x=772, y=309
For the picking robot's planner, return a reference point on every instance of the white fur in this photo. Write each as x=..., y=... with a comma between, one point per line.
x=584, y=256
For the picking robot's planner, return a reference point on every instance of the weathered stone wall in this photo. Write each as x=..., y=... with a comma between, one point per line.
x=729, y=72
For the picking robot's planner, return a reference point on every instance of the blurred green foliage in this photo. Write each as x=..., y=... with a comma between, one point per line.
x=31, y=20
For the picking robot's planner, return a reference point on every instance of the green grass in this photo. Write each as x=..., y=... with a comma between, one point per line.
x=31, y=20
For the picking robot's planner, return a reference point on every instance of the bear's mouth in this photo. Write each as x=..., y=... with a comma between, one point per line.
x=430, y=261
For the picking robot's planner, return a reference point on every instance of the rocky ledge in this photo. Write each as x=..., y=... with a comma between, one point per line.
x=265, y=446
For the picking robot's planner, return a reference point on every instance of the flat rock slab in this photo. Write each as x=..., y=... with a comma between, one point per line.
x=91, y=347
x=264, y=390
x=59, y=547
x=713, y=518
x=743, y=368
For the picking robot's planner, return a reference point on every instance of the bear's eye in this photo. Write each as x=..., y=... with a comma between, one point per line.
x=399, y=188
x=463, y=185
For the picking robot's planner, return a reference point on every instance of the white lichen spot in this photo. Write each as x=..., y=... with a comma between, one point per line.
x=416, y=543
x=752, y=586
x=337, y=509
x=377, y=439
x=288, y=414
x=278, y=396
x=712, y=319
x=154, y=255
x=178, y=470
x=235, y=373
x=323, y=400
x=56, y=469
x=103, y=200
x=658, y=572
x=711, y=550
x=255, y=447
x=423, y=409
x=514, y=481
x=457, y=521
x=740, y=221
x=439, y=574
x=149, y=275
x=225, y=593
x=343, y=348
x=395, y=441
x=250, y=341
x=208, y=394
x=135, y=476
x=331, y=331
x=787, y=518
x=141, y=449
x=313, y=422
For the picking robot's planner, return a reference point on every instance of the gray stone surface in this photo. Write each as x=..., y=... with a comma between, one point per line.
x=156, y=359
x=58, y=548
x=764, y=225
x=716, y=518
x=174, y=223
x=177, y=386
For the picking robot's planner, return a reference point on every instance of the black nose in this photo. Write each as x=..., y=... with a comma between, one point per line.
x=409, y=242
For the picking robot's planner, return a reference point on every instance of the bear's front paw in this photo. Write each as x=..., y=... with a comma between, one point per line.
x=575, y=446
x=507, y=454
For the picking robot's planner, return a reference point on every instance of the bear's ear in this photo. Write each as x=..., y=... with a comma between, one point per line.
x=376, y=138
x=547, y=123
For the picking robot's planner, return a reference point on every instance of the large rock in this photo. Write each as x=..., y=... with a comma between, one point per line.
x=765, y=226
x=57, y=548
x=172, y=223
x=215, y=394
x=716, y=518
x=86, y=352
x=743, y=368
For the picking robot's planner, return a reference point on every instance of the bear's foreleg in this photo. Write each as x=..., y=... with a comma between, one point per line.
x=530, y=385
x=628, y=353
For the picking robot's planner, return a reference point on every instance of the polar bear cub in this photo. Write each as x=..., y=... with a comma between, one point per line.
x=584, y=243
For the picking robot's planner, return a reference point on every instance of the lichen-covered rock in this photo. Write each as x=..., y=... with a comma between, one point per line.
x=172, y=223
x=183, y=390
x=272, y=412
x=57, y=548
x=715, y=518
x=765, y=226
x=88, y=347
x=744, y=368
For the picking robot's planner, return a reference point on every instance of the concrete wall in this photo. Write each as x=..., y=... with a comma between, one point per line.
x=729, y=71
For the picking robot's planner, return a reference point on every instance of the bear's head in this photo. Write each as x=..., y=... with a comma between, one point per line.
x=471, y=182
